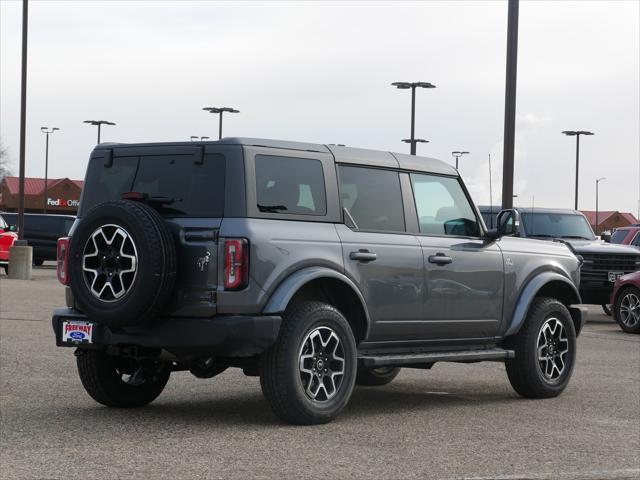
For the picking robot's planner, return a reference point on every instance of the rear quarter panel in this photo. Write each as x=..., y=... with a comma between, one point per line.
x=278, y=248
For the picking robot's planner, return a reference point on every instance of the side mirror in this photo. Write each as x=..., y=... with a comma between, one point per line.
x=508, y=223
x=12, y=228
x=606, y=237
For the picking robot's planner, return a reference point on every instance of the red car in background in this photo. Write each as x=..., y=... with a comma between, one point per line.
x=7, y=237
x=627, y=235
x=625, y=300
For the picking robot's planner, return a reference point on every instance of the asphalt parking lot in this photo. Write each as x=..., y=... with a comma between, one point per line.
x=455, y=421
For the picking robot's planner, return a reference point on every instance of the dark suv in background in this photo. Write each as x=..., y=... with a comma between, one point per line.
x=42, y=231
x=603, y=263
x=313, y=266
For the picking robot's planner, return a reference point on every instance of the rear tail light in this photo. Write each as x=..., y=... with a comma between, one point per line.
x=62, y=260
x=236, y=263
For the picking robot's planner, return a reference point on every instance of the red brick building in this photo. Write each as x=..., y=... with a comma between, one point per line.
x=609, y=220
x=63, y=195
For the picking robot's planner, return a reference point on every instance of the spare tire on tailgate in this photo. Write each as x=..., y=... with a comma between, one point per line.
x=122, y=263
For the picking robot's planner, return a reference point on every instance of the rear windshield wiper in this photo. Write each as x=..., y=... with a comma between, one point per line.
x=271, y=208
x=152, y=200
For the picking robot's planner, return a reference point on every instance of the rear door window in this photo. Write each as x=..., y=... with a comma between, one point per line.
x=290, y=185
x=373, y=198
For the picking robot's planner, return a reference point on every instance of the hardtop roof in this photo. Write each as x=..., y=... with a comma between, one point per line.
x=341, y=154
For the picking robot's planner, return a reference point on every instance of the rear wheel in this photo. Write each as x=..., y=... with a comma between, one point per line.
x=121, y=382
x=38, y=262
x=6, y=269
x=308, y=375
x=545, y=350
x=371, y=377
x=606, y=308
x=627, y=310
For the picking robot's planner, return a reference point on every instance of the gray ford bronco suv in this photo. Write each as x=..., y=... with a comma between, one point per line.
x=314, y=267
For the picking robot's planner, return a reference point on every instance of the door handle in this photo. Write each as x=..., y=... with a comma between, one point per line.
x=363, y=256
x=440, y=259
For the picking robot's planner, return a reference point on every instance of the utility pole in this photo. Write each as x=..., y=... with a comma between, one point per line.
x=577, y=133
x=413, y=85
x=457, y=155
x=220, y=111
x=46, y=131
x=598, y=180
x=510, y=105
x=98, y=123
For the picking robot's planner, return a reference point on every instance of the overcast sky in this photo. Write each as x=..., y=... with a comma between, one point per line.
x=321, y=72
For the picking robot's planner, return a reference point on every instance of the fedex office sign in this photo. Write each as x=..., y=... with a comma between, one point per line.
x=59, y=202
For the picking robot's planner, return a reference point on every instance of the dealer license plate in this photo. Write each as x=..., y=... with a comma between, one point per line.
x=74, y=331
x=613, y=276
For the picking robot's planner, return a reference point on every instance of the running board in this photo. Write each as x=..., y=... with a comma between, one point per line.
x=496, y=354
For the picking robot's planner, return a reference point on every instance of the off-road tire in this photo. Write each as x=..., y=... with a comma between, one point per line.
x=623, y=292
x=524, y=371
x=154, y=279
x=280, y=376
x=99, y=375
x=372, y=377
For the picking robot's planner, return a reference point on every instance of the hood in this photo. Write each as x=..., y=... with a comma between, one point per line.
x=534, y=246
x=600, y=247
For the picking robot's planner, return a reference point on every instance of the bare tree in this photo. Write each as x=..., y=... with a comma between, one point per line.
x=5, y=162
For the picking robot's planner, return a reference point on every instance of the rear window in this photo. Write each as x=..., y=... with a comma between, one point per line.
x=290, y=185
x=194, y=189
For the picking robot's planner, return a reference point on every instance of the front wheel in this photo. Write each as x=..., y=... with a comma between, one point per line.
x=121, y=382
x=606, y=308
x=308, y=375
x=545, y=351
x=372, y=377
x=627, y=310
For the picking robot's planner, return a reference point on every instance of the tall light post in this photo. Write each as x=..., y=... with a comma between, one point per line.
x=598, y=180
x=457, y=155
x=413, y=86
x=47, y=131
x=413, y=142
x=577, y=133
x=98, y=123
x=220, y=111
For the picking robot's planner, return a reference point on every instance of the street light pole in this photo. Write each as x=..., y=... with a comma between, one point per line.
x=414, y=142
x=598, y=180
x=46, y=131
x=98, y=123
x=457, y=155
x=577, y=133
x=220, y=111
x=413, y=86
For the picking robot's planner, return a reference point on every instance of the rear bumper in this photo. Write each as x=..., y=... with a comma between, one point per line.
x=223, y=335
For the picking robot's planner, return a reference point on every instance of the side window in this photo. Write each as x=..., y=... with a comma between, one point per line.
x=636, y=240
x=290, y=185
x=618, y=236
x=443, y=208
x=372, y=197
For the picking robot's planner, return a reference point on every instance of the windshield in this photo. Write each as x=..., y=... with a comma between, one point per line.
x=556, y=225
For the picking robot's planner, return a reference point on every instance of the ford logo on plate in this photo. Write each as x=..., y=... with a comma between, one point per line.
x=77, y=335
